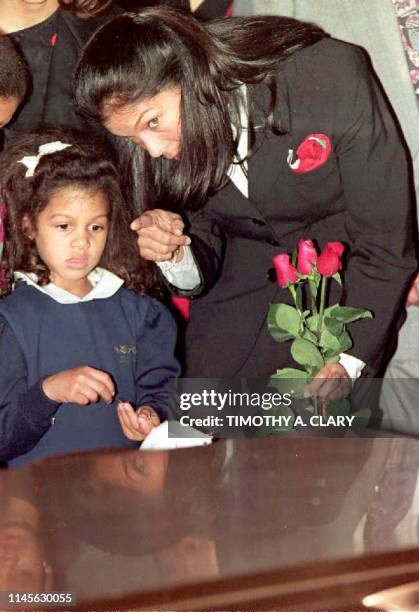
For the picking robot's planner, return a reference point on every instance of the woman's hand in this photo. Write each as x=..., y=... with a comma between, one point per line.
x=160, y=235
x=137, y=424
x=84, y=385
x=330, y=383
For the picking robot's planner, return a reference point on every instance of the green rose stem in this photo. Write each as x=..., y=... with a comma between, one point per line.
x=300, y=312
x=322, y=305
x=319, y=409
x=313, y=290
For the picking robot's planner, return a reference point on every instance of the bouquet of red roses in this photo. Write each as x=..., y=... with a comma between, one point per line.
x=317, y=331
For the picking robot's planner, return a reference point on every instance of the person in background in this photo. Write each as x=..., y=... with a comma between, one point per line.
x=88, y=360
x=14, y=86
x=388, y=30
x=50, y=35
x=14, y=80
x=213, y=114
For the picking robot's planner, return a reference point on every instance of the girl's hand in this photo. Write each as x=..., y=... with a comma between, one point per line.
x=137, y=424
x=160, y=235
x=84, y=385
x=330, y=383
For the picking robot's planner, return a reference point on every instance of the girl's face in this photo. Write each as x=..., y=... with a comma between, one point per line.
x=153, y=124
x=70, y=236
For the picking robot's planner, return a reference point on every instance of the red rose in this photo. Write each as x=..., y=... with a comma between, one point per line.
x=307, y=256
x=285, y=271
x=312, y=153
x=329, y=262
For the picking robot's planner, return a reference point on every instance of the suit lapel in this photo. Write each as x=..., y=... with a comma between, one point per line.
x=266, y=161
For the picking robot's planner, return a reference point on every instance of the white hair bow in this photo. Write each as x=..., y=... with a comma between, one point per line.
x=31, y=161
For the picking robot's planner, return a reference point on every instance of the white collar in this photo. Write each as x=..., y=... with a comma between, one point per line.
x=104, y=285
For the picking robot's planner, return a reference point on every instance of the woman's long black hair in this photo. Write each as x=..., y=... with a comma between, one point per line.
x=87, y=164
x=136, y=56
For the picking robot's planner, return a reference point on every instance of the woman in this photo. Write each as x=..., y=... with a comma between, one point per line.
x=197, y=97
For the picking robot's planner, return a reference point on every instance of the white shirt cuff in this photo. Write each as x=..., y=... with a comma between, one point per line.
x=352, y=365
x=184, y=274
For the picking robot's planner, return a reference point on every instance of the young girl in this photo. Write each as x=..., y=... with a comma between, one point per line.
x=73, y=341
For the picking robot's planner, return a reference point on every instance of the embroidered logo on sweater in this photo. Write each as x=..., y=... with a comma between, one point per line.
x=125, y=352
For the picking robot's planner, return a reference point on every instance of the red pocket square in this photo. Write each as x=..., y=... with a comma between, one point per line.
x=312, y=153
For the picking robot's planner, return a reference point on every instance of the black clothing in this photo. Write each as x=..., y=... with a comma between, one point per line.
x=51, y=49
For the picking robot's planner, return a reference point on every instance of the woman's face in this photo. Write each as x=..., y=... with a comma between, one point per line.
x=153, y=124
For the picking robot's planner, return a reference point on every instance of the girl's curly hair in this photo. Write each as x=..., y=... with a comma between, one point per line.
x=89, y=163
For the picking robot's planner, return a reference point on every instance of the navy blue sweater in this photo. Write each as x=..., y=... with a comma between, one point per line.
x=130, y=337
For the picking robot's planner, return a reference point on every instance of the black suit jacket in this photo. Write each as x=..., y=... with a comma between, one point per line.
x=360, y=196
